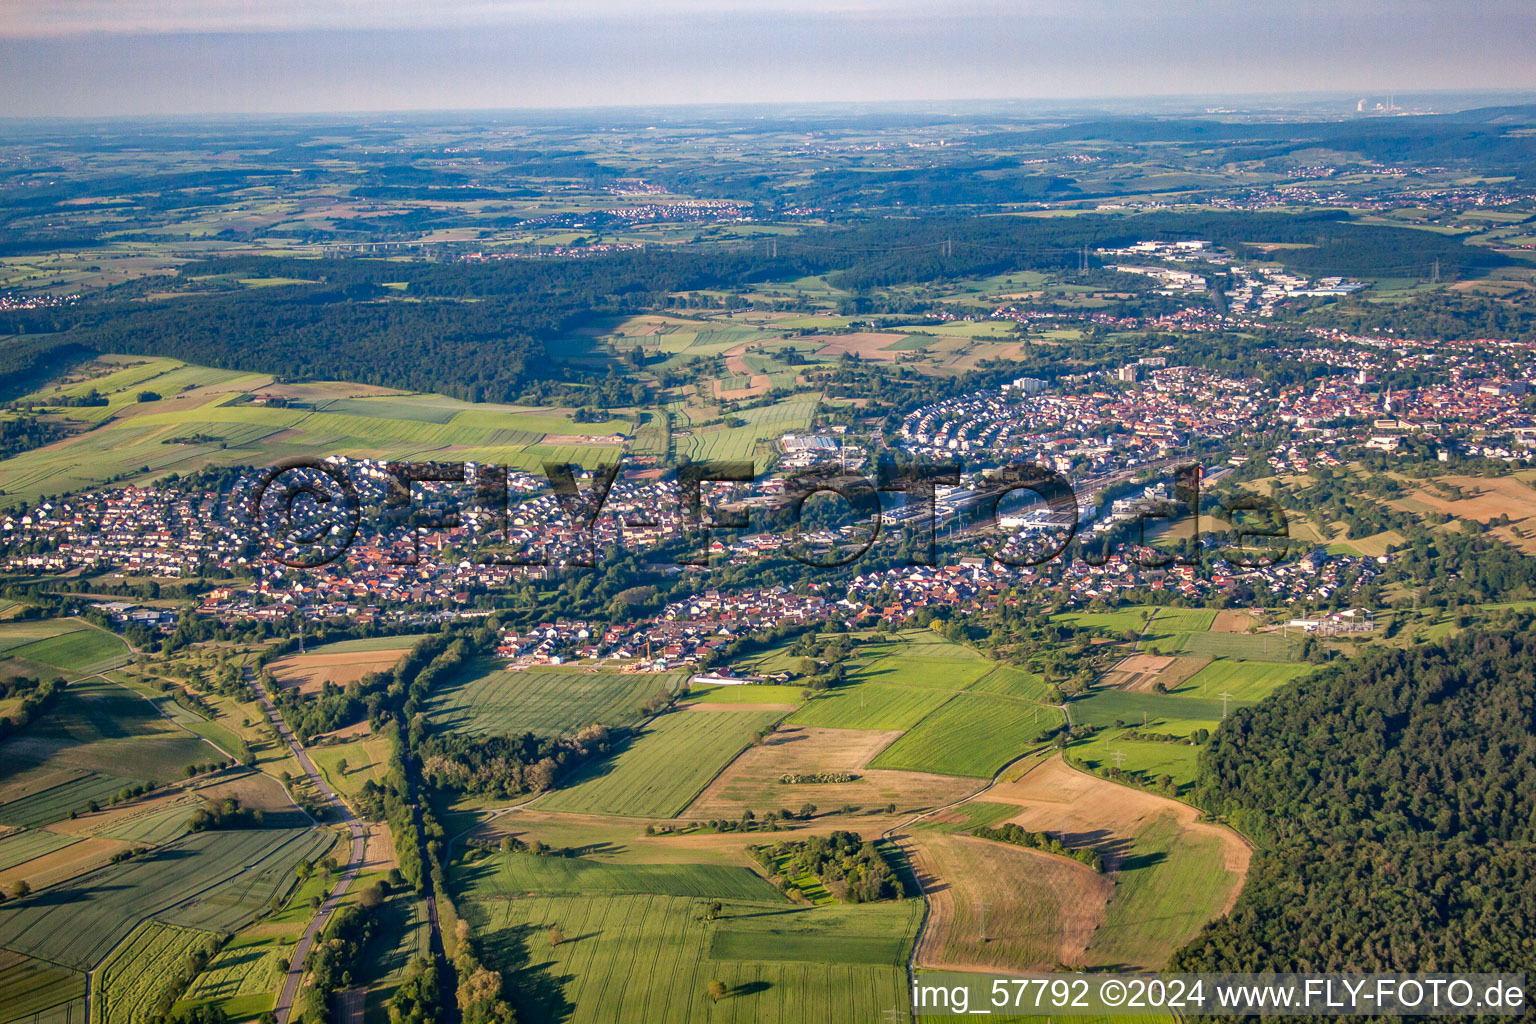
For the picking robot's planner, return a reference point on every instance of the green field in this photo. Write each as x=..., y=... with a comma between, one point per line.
x=1169, y=887
x=20, y=847
x=1115, y=622
x=1161, y=712
x=788, y=416
x=974, y=734
x=1011, y=681
x=633, y=958
x=152, y=828
x=1246, y=646
x=213, y=881
x=370, y=643
x=1244, y=680
x=665, y=767
x=484, y=700
x=1183, y=620
x=80, y=652
x=515, y=874
x=1178, y=761
x=129, y=982
x=19, y=634
x=754, y=694
x=242, y=979
x=35, y=990
x=870, y=706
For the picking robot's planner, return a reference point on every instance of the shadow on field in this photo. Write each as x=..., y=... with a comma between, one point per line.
x=538, y=991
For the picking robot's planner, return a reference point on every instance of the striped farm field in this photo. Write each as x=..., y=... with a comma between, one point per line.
x=32, y=989
x=1012, y=681
x=1245, y=646
x=665, y=767
x=77, y=652
x=870, y=706
x=516, y=874
x=20, y=847
x=791, y=415
x=974, y=734
x=212, y=881
x=1244, y=680
x=486, y=700
x=1183, y=620
x=74, y=791
x=130, y=981
x=651, y=958
x=151, y=829
x=19, y=634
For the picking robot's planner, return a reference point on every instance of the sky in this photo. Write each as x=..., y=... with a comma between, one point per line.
x=116, y=57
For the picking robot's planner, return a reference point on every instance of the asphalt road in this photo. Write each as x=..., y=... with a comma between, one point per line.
x=285, y=1001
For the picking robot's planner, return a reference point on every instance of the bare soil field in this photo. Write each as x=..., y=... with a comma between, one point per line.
x=751, y=782
x=1230, y=620
x=1040, y=910
x=1137, y=672
x=310, y=672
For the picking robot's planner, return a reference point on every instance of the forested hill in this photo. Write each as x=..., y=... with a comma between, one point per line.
x=1394, y=800
x=478, y=331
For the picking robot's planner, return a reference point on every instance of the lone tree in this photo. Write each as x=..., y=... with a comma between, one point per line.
x=715, y=990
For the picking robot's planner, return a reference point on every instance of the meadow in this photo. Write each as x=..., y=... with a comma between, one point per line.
x=241, y=979
x=1165, y=891
x=660, y=772
x=973, y=734
x=1171, y=873
x=484, y=699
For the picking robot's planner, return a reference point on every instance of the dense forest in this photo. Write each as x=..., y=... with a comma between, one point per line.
x=1394, y=802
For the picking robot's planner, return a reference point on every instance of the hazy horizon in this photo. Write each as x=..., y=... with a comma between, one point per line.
x=164, y=57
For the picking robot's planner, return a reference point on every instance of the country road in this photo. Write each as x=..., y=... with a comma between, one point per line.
x=284, y=1007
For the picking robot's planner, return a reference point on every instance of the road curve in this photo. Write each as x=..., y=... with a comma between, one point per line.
x=285, y=1001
